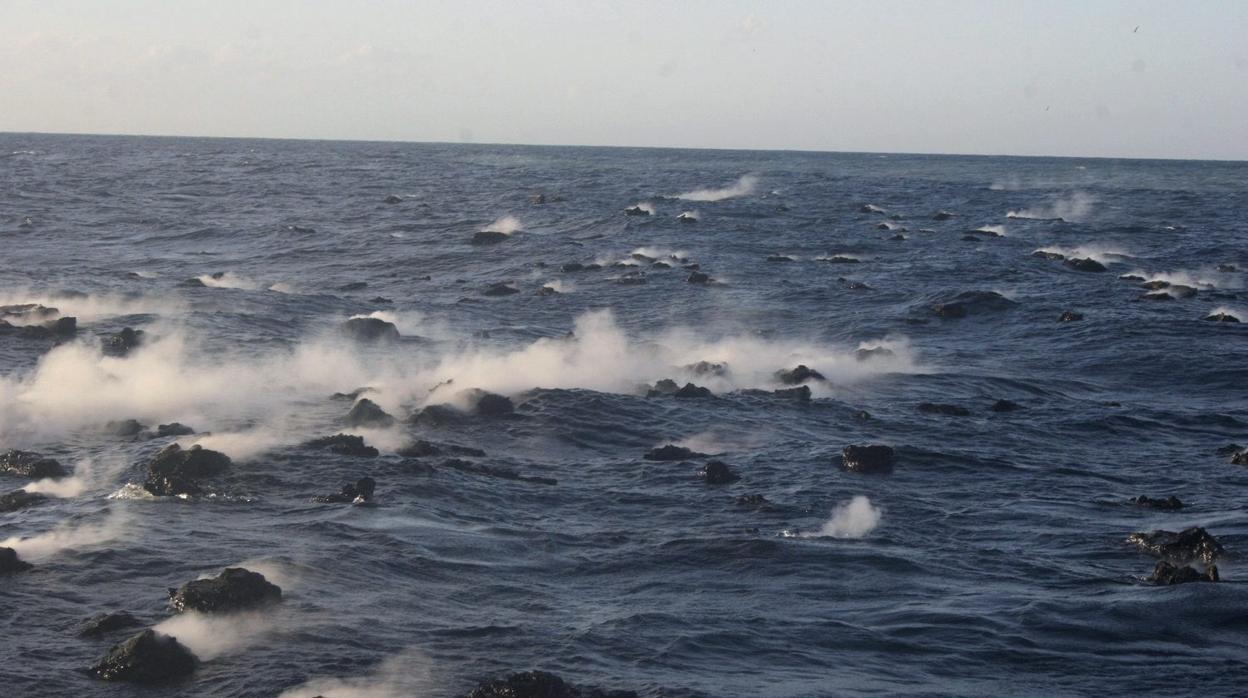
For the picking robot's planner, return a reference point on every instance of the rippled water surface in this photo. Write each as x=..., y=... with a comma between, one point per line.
x=992, y=560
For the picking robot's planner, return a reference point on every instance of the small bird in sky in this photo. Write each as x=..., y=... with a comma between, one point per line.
x=1136, y=30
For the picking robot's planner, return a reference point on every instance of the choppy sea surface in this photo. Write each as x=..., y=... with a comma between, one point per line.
x=993, y=560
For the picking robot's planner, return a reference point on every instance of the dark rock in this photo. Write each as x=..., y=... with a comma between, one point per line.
x=1049, y=255
x=362, y=491
x=636, y=211
x=105, y=623
x=1226, y=268
x=1070, y=316
x=1131, y=277
x=1086, y=264
x=969, y=238
x=687, y=218
x=671, y=452
x=1155, y=285
x=663, y=388
x=56, y=330
x=756, y=501
x=1157, y=296
x=344, y=445
x=370, y=329
x=798, y=375
x=693, y=391
x=1170, y=503
x=1222, y=317
x=235, y=589
x=642, y=257
x=698, y=277
x=717, y=473
x=31, y=465
x=708, y=368
x=147, y=658
x=867, y=459
x=420, y=449
x=1167, y=574
x=853, y=285
x=658, y=264
x=839, y=259
x=1180, y=291
x=192, y=283
x=20, y=499
x=1006, y=406
x=177, y=471
x=123, y=342
x=780, y=258
x=1183, y=547
x=1240, y=458
x=353, y=395
x=379, y=299
x=948, y=410
x=862, y=416
x=488, y=237
x=635, y=278
x=487, y=404
x=539, y=684
x=126, y=428
x=801, y=393
x=969, y=302
x=10, y=563
x=500, y=289
x=898, y=236
x=438, y=415
x=174, y=429
x=392, y=199
x=572, y=267
x=28, y=311
x=366, y=413
x=942, y=216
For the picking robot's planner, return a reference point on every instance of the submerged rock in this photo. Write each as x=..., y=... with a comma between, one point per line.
x=344, y=445
x=636, y=211
x=717, y=473
x=59, y=329
x=488, y=237
x=798, y=375
x=370, y=329
x=367, y=413
x=1085, y=264
x=839, y=259
x=1166, y=573
x=698, y=277
x=235, y=589
x=360, y=491
x=780, y=258
x=1006, y=406
x=672, y=452
x=500, y=289
x=1170, y=503
x=486, y=404
x=147, y=658
x=393, y=199
x=175, y=471
x=104, y=623
x=30, y=465
x=801, y=393
x=123, y=342
x=969, y=302
x=942, y=216
x=1183, y=547
x=1222, y=317
x=10, y=563
x=1048, y=255
x=872, y=458
x=540, y=684
x=1070, y=316
x=421, y=448
x=353, y=286
x=20, y=499
x=945, y=409
x=687, y=218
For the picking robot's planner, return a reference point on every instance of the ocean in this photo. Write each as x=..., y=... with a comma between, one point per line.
x=993, y=559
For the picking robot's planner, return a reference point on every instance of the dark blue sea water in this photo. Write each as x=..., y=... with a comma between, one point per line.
x=992, y=560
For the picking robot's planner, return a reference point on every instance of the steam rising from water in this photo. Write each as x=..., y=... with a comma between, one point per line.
x=743, y=187
x=852, y=520
x=67, y=535
x=95, y=307
x=1075, y=207
x=210, y=636
x=406, y=675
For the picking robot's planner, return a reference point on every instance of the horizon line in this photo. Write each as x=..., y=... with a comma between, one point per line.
x=618, y=147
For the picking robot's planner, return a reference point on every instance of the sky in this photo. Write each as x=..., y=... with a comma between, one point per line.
x=1058, y=77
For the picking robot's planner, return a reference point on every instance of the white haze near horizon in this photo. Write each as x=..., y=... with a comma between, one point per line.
x=967, y=76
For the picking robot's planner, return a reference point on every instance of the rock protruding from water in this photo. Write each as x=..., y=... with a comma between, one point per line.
x=177, y=471
x=122, y=343
x=636, y=211
x=173, y=429
x=1222, y=317
x=672, y=452
x=488, y=237
x=10, y=563
x=344, y=445
x=1070, y=316
x=1181, y=548
x=147, y=658
x=105, y=623
x=20, y=499
x=689, y=390
x=486, y=404
x=235, y=589
x=717, y=473
x=798, y=375
x=1085, y=264
x=873, y=458
x=801, y=393
x=942, y=216
x=367, y=413
x=370, y=330
x=1167, y=573
x=501, y=288
x=943, y=409
x=540, y=684
x=698, y=277
x=31, y=465
x=359, y=492
x=972, y=302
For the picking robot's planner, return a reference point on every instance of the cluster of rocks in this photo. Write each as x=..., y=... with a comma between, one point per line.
x=35, y=321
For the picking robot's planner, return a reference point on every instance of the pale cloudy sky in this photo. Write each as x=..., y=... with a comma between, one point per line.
x=1060, y=77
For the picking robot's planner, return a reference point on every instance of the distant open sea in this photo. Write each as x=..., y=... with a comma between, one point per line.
x=992, y=560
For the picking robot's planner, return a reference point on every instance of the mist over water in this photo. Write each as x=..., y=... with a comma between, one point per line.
x=995, y=545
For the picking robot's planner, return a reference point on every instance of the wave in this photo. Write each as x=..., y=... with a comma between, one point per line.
x=228, y=280
x=1075, y=208
x=1100, y=253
